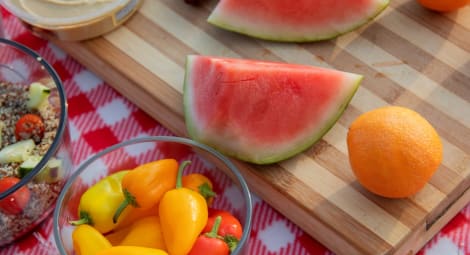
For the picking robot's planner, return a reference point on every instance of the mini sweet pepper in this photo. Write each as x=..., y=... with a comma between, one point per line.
x=125, y=225
x=116, y=236
x=88, y=241
x=210, y=243
x=99, y=202
x=145, y=185
x=131, y=250
x=145, y=232
x=136, y=213
x=229, y=226
x=183, y=214
x=200, y=183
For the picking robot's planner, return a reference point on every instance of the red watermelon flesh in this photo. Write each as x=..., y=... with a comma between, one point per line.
x=294, y=21
x=262, y=112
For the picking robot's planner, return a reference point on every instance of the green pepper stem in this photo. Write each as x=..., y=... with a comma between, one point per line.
x=231, y=241
x=85, y=218
x=179, y=177
x=215, y=228
x=206, y=191
x=129, y=199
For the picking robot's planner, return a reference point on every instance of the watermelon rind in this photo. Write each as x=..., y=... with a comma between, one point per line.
x=222, y=143
x=292, y=34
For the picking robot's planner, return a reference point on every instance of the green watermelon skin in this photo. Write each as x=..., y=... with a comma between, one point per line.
x=295, y=21
x=262, y=112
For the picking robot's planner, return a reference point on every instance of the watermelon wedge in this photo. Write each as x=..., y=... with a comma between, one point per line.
x=262, y=112
x=294, y=21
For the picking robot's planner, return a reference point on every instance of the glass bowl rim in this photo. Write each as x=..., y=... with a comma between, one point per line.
x=61, y=129
x=244, y=186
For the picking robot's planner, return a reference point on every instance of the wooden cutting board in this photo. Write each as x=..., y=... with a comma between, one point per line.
x=409, y=57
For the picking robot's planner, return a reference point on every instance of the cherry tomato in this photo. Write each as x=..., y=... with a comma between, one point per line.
x=443, y=5
x=15, y=202
x=200, y=183
x=229, y=226
x=29, y=126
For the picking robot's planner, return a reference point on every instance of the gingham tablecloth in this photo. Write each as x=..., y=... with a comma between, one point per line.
x=99, y=117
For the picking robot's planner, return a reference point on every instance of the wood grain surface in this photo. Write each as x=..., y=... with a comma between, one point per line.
x=409, y=57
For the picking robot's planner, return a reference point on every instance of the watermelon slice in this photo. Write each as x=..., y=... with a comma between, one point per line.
x=294, y=21
x=262, y=112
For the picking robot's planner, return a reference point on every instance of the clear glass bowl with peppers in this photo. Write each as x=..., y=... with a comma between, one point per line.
x=34, y=140
x=154, y=195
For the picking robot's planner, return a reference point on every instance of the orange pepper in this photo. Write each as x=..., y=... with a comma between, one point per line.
x=145, y=185
x=123, y=226
x=135, y=214
x=183, y=214
x=200, y=183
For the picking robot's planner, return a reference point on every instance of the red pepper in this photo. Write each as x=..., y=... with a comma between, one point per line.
x=29, y=126
x=210, y=243
x=230, y=225
x=15, y=202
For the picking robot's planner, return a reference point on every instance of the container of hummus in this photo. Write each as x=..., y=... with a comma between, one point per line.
x=72, y=20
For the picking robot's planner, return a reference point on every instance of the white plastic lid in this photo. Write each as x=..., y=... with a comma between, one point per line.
x=100, y=8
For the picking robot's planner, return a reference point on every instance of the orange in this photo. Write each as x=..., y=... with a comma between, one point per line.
x=393, y=151
x=444, y=5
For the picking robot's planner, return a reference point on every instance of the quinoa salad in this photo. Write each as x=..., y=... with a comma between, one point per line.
x=42, y=192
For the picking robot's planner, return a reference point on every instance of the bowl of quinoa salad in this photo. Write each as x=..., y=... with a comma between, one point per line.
x=35, y=158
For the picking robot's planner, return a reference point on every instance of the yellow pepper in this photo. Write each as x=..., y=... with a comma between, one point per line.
x=200, y=183
x=100, y=201
x=88, y=241
x=145, y=232
x=131, y=250
x=183, y=214
x=145, y=185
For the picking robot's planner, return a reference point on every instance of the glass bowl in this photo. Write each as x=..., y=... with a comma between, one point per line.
x=232, y=191
x=40, y=180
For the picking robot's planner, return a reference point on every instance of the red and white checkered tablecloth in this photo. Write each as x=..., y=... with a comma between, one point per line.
x=92, y=129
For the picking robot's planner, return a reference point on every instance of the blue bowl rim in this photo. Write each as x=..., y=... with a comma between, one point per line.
x=61, y=129
x=90, y=160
